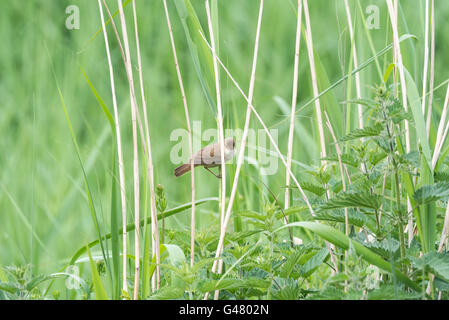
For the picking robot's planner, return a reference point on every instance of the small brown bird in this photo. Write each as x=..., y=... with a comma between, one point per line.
x=209, y=157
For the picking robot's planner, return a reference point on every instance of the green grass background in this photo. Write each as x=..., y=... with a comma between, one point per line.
x=44, y=214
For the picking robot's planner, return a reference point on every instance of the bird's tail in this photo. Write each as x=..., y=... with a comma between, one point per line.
x=179, y=171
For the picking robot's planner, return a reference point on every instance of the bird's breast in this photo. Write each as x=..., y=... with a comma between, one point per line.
x=228, y=154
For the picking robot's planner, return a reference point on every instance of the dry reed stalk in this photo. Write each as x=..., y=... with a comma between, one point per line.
x=432, y=66
x=219, y=113
x=445, y=232
x=443, y=241
x=189, y=131
x=355, y=61
x=133, y=103
x=343, y=181
x=441, y=135
x=253, y=109
x=241, y=153
x=397, y=49
x=220, y=261
x=395, y=55
x=139, y=122
x=438, y=148
x=314, y=82
x=426, y=58
x=316, y=93
x=393, y=12
x=242, y=144
x=119, y=148
x=340, y=163
x=150, y=168
x=292, y=115
x=135, y=152
x=410, y=224
x=220, y=128
x=356, y=64
x=384, y=183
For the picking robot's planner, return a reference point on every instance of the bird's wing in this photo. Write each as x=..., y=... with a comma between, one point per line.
x=207, y=155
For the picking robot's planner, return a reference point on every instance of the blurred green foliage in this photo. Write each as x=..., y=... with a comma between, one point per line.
x=44, y=213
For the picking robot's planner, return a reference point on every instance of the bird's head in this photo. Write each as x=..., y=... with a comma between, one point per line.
x=229, y=143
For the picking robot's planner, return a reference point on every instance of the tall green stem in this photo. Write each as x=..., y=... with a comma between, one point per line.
x=396, y=179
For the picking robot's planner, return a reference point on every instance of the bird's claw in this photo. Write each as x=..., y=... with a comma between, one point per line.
x=218, y=176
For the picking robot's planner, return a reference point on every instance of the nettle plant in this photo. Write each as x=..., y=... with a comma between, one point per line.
x=18, y=283
x=257, y=264
x=378, y=165
x=389, y=202
x=388, y=206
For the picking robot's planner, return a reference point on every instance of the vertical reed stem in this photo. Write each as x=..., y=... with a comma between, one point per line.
x=432, y=66
x=275, y=145
x=243, y=142
x=220, y=127
x=189, y=131
x=441, y=133
x=150, y=169
x=314, y=82
x=292, y=115
x=397, y=49
x=135, y=153
x=134, y=112
x=426, y=58
x=355, y=61
x=119, y=149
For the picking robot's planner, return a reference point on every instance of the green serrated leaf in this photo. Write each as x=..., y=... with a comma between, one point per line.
x=167, y=293
x=314, y=188
x=355, y=218
x=437, y=263
x=346, y=158
x=252, y=214
x=289, y=292
x=290, y=263
x=8, y=287
x=233, y=284
x=391, y=292
x=441, y=176
x=431, y=193
x=341, y=240
x=397, y=113
x=352, y=200
x=363, y=102
x=386, y=247
x=362, y=133
x=314, y=262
